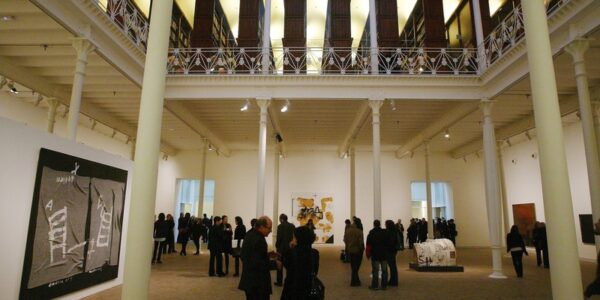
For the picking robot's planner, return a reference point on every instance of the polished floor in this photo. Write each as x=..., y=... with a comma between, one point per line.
x=186, y=277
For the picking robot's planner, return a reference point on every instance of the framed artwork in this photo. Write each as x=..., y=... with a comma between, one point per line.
x=524, y=218
x=75, y=226
x=318, y=207
x=586, y=224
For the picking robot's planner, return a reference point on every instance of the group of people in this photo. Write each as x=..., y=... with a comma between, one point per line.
x=381, y=248
x=294, y=253
x=417, y=230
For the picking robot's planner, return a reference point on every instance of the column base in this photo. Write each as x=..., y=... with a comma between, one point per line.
x=497, y=275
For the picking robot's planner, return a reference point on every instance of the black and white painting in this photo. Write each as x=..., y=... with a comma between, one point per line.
x=75, y=226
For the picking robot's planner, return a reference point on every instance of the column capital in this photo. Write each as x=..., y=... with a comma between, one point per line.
x=263, y=103
x=82, y=45
x=52, y=102
x=486, y=106
x=577, y=48
x=376, y=103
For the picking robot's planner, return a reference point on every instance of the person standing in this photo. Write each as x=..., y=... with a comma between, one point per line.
x=544, y=245
x=238, y=235
x=184, y=232
x=285, y=234
x=536, y=237
x=301, y=262
x=161, y=230
x=215, y=241
x=170, y=235
x=256, y=278
x=400, y=229
x=355, y=245
x=207, y=224
x=411, y=233
x=227, y=241
x=195, y=234
x=392, y=250
x=377, y=241
x=516, y=247
x=594, y=287
x=452, y=233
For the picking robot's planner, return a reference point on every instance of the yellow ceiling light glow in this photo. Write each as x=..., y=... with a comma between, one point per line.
x=405, y=7
x=359, y=11
x=232, y=13
x=449, y=8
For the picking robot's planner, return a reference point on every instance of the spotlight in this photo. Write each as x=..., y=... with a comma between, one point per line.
x=447, y=134
x=12, y=88
x=246, y=105
x=278, y=138
x=7, y=18
x=286, y=106
x=210, y=147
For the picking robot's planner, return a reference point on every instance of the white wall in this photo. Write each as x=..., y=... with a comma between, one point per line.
x=19, y=157
x=524, y=183
x=322, y=171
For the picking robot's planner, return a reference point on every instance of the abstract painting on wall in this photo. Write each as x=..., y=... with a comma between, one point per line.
x=75, y=226
x=524, y=218
x=317, y=207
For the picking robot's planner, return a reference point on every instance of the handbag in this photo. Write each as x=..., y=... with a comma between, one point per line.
x=368, y=251
x=317, y=289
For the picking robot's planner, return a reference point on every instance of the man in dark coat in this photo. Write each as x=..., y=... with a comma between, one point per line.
x=285, y=234
x=379, y=242
x=215, y=246
x=256, y=279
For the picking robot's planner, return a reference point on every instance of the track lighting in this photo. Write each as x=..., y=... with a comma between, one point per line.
x=447, y=134
x=210, y=147
x=12, y=88
x=285, y=106
x=246, y=106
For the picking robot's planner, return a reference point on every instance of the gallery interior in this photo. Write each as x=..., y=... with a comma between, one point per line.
x=482, y=111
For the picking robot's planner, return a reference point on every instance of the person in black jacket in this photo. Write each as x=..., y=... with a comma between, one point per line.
x=256, y=278
x=392, y=250
x=227, y=240
x=184, y=232
x=161, y=231
x=516, y=247
x=301, y=263
x=215, y=245
x=378, y=241
x=196, y=231
x=170, y=235
x=412, y=233
x=285, y=234
x=238, y=235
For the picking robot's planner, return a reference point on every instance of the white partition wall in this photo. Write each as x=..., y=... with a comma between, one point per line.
x=19, y=159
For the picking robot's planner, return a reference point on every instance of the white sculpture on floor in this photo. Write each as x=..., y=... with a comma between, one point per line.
x=438, y=252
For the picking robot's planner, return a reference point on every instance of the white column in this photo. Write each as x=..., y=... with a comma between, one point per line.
x=375, y=106
x=492, y=190
x=266, y=47
x=428, y=191
x=136, y=280
x=479, y=35
x=596, y=112
x=503, y=196
x=262, y=155
x=52, y=106
x=200, y=209
x=373, y=37
x=577, y=50
x=83, y=48
x=276, y=194
x=565, y=274
x=352, y=182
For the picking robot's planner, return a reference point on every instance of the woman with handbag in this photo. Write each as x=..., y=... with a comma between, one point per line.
x=302, y=263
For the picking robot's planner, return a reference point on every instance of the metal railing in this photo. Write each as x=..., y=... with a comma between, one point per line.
x=509, y=32
x=322, y=61
x=128, y=18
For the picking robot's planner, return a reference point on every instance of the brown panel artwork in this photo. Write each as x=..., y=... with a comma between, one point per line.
x=524, y=218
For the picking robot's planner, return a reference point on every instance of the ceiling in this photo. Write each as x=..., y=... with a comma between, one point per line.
x=37, y=44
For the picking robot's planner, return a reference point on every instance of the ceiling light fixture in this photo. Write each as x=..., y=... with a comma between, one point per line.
x=12, y=88
x=210, y=147
x=393, y=105
x=285, y=106
x=246, y=106
x=447, y=134
x=7, y=18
